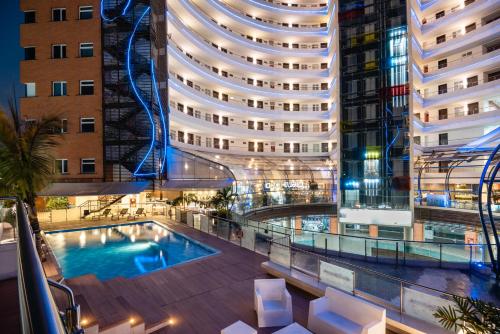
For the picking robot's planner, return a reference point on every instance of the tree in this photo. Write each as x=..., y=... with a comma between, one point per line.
x=470, y=315
x=223, y=201
x=26, y=164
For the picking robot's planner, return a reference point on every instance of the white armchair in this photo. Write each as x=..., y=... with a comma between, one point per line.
x=339, y=312
x=273, y=303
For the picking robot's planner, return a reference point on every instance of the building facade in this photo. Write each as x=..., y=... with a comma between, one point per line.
x=389, y=104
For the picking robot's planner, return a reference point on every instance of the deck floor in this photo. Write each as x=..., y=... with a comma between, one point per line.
x=9, y=307
x=203, y=296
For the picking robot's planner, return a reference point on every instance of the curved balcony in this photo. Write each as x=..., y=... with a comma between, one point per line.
x=458, y=40
x=431, y=23
x=318, y=49
x=320, y=8
x=457, y=93
x=242, y=109
x=479, y=61
x=267, y=67
x=267, y=24
x=306, y=91
x=240, y=130
x=458, y=122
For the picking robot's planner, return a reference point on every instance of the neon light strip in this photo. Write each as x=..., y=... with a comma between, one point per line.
x=124, y=11
x=163, y=123
x=134, y=88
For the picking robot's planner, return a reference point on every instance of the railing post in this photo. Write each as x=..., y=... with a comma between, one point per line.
x=397, y=253
x=376, y=246
x=326, y=245
x=404, y=252
x=470, y=257
x=366, y=254
x=401, y=297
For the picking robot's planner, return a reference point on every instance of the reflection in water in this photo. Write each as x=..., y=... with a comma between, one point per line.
x=83, y=239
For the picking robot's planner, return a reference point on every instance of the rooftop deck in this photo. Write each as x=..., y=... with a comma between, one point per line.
x=202, y=296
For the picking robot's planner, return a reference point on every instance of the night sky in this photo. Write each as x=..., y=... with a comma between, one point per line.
x=10, y=18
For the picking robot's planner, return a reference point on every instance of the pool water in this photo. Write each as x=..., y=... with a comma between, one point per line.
x=123, y=250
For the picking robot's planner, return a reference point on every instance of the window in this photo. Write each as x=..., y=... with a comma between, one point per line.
x=217, y=143
x=443, y=167
x=286, y=127
x=29, y=16
x=180, y=136
x=442, y=89
x=225, y=120
x=215, y=119
x=442, y=63
x=29, y=53
x=260, y=125
x=296, y=148
x=85, y=13
x=260, y=147
x=315, y=148
x=417, y=140
x=324, y=127
x=86, y=50
x=443, y=113
x=286, y=147
x=305, y=128
x=443, y=139
x=440, y=39
x=59, y=88
x=251, y=146
x=470, y=27
x=88, y=166
x=439, y=14
x=296, y=127
x=87, y=124
x=251, y=125
x=29, y=89
x=473, y=108
x=305, y=148
x=61, y=166
x=225, y=144
x=58, y=14
x=324, y=147
x=64, y=125
x=87, y=87
x=58, y=51
x=472, y=81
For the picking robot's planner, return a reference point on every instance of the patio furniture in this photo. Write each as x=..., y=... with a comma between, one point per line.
x=104, y=214
x=340, y=312
x=121, y=214
x=272, y=302
x=294, y=328
x=138, y=212
x=239, y=327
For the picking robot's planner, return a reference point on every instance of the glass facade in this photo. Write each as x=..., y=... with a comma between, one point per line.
x=374, y=122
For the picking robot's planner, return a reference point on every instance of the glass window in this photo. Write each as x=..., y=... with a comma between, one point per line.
x=64, y=125
x=86, y=50
x=440, y=39
x=29, y=16
x=443, y=139
x=442, y=63
x=61, y=166
x=58, y=14
x=443, y=89
x=87, y=124
x=443, y=113
x=29, y=53
x=29, y=89
x=87, y=87
x=286, y=147
x=85, y=13
x=88, y=166
x=473, y=108
x=58, y=51
x=324, y=147
x=59, y=88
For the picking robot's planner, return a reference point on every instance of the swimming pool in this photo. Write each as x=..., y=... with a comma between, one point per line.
x=122, y=250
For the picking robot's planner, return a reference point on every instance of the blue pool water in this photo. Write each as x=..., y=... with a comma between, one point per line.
x=122, y=250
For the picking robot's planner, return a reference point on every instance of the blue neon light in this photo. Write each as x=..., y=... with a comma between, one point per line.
x=124, y=11
x=162, y=117
x=136, y=93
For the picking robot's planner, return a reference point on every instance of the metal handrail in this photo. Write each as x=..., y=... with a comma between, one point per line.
x=38, y=311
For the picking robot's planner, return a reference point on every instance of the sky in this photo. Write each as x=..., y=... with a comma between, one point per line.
x=10, y=18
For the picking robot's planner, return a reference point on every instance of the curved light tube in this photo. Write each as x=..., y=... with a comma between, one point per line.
x=124, y=11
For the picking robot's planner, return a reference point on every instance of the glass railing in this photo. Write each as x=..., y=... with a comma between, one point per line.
x=388, y=291
x=402, y=252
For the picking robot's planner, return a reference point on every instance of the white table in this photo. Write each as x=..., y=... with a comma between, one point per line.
x=239, y=327
x=294, y=328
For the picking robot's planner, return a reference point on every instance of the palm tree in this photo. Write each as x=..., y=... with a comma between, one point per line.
x=223, y=201
x=26, y=165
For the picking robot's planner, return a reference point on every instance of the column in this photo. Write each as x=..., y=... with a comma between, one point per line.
x=334, y=225
x=298, y=225
x=373, y=231
x=418, y=231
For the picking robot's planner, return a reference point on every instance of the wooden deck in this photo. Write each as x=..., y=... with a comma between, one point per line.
x=9, y=307
x=202, y=296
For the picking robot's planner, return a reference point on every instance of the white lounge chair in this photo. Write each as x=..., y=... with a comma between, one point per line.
x=340, y=312
x=273, y=303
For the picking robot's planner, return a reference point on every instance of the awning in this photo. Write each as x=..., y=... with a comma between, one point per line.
x=94, y=188
x=197, y=184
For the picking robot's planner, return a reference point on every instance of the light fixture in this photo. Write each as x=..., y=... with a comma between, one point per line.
x=131, y=320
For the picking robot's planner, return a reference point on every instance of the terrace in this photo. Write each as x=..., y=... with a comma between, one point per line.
x=208, y=294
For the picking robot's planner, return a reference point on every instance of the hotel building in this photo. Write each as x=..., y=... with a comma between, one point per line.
x=380, y=108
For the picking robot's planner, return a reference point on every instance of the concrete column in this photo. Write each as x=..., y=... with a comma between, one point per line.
x=471, y=237
x=418, y=232
x=334, y=225
x=373, y=231
x=298, y=225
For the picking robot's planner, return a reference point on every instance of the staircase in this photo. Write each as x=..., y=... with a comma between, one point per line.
x=92, y=206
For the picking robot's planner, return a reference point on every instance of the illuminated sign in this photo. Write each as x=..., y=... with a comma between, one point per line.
x=285, y=185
